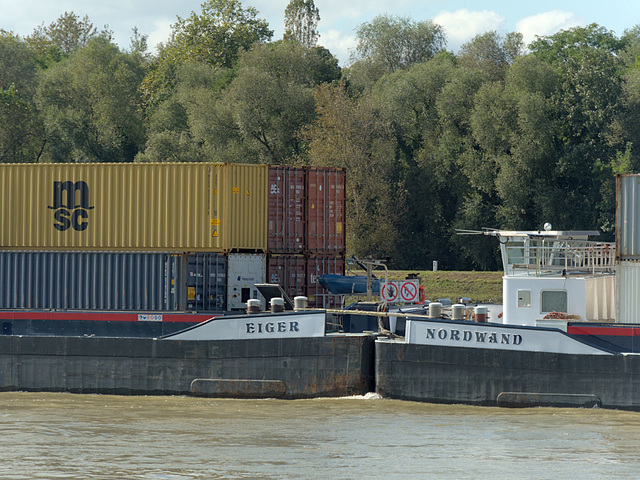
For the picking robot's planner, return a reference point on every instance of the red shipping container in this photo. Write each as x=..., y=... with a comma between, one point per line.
x=288, y=271
x=286, y=191
x=326, y=210
x=318, y=265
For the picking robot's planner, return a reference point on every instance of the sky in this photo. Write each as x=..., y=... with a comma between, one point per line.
x=461, y=20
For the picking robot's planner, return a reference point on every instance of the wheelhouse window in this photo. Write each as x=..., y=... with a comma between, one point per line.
x=553, y=301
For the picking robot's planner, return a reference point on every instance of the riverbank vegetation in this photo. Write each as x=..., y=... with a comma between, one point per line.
x=498, y=134
x=479, y=287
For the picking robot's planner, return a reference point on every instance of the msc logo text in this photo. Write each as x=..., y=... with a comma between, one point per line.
x=71, y=202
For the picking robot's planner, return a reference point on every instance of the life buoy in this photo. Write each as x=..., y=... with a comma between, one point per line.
x=421, y=293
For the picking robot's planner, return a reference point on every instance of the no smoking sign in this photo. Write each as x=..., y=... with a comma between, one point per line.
x=406, y=291
x=409, y=291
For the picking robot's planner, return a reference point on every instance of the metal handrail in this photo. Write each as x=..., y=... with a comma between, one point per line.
x=568, y=259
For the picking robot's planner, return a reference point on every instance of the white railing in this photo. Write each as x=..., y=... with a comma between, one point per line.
x=561, y=258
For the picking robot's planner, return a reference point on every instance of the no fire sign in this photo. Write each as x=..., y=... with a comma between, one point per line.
x=406, y=291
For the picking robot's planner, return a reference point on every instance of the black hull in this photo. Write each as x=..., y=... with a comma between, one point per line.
x=290, y=368
x=477, y=376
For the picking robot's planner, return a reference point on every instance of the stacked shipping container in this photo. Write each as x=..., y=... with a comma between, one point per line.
x=306, y=230
x=133, y=207
x=175, y=232
x=140, y=281
x=627, y=300
x=326, y=211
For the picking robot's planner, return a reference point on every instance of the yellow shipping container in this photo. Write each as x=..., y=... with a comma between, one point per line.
x=166, y=207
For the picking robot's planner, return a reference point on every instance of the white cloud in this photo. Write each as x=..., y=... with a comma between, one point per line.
x=339, y=44
x=547, y=23
x=462, y=25
x=161, y=33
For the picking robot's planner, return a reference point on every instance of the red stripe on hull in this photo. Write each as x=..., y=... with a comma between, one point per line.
x=102, y=316
x=604, y=331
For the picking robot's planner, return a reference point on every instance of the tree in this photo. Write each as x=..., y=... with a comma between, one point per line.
x=139, y=44
x=569, y=43
x=407, y=99
x=64, y=36
x=21, y=136
x=544, y=139
x=626, y=129
x=435, y=185
x=265, y=105
x=171, y=146
x=248, y=114
x=220, y=32
x=514, y=127
x=590, y=102
x=301, y=19
x=395, y=42
x=387, y=44
x=215, y=37
x=349, y=133
x=491, y=53
x=325, y=68
x=180, y=127
x=90, y=105
x=590, y=142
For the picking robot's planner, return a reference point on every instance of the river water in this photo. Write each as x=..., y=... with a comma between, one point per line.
x=65, y=436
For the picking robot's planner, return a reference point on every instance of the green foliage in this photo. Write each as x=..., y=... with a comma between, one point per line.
x=90, y=106
x=570, y=43
x=176, y=125
x=250, y=114
x=17, y=128
x=408, y=101
x=18, y=65
x=219, y=32
x=139, y=45
x=349, y=134
x=171, y=146
x=398, y=42
x=269, y=100
x=61, y=38
x=214, y=37
x=491, y=54
x=20, y=128
x=389, y=43
x=301, y=19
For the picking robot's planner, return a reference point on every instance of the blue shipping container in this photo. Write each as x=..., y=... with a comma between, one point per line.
x=109, y=281
x=206, y=282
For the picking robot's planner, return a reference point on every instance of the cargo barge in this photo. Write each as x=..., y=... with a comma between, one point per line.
x=500, y=365
x=541, y=350
x=116, y=259
x=567, y=335
x=286, y=355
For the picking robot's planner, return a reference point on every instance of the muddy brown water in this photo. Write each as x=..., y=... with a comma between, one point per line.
x=66, y=436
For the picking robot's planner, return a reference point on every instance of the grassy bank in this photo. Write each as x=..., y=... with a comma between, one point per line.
x=478, y=286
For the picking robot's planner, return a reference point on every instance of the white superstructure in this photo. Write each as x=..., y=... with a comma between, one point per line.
x=552, y=275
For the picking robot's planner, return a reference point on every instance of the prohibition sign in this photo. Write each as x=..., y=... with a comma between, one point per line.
x=408, y=291
x=389, y=292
